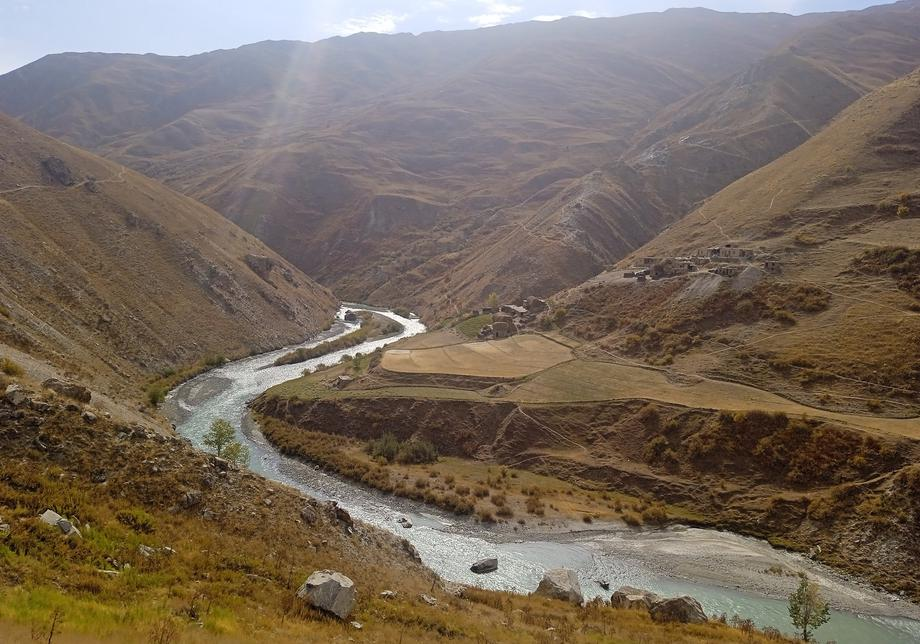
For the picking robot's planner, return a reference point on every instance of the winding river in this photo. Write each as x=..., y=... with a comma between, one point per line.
x=724, y=571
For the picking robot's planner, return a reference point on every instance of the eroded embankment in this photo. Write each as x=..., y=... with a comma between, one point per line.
x=799, y=483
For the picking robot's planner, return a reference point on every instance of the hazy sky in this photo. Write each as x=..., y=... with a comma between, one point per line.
x=29, y=29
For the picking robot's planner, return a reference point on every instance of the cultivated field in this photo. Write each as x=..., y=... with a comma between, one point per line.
x=513, y=357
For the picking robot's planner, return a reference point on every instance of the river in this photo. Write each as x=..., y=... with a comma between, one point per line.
x=724, y=571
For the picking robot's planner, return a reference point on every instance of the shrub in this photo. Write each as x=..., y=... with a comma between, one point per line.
x=655, y=514
x=156, y=394
x=499, y=499
x=417, y=452
x=385, y=447
x=655, y=449
x=632, y=518
x=535, y=506
x=485, y=515
x=903, y=211
x=10, y=368
x=136, y=519
x=505, y=512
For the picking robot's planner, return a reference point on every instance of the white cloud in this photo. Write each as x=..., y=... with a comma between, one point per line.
x=381, y=23
x=494, y=13
x=585, y=14
x=547, y=18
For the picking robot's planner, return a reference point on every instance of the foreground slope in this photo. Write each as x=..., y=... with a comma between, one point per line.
x=112, y=276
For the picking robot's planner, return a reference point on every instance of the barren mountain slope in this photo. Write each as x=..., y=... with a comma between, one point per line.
x=113, y=276
x=836, y=322
x=702, y=143
x=377, y=161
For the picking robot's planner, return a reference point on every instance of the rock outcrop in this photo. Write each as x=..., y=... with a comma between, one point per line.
x=58, y=170
x=560, y=583
x=685, y=610
x=69, y=389
x=329, y=591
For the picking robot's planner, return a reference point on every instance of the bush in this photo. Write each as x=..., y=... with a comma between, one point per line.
x=632, y=518
x=417, y=452
x=156, y=394
x=656, y=514
x=137, y=520
x=385, y=447
x=10, y=368
x=535, y=506
x=903, y=211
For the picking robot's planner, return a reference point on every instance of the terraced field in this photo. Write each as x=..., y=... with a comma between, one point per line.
x=514, y=357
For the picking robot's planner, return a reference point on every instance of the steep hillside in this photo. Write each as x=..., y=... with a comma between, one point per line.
x=702, y=143
x=834, y=322
x=390, y=162
x=113, y=277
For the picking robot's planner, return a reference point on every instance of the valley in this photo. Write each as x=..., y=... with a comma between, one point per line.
x=636, y=359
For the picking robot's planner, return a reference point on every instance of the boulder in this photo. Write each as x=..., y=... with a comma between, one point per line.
x=404, y=522
x=190, y=499
x=560, y=583
x=16, y=395
x=89, y=417
x=685, y=610
x=329, y=591
x=635, y=598
x=69, y=389
x=260, y=265
x=428, y=599
x=484, y=566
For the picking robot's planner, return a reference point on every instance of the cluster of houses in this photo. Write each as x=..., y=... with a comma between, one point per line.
x=728, y=260
x=509, y=319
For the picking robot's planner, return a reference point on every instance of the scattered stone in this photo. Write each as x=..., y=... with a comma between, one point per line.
x=190, y=499
x=340, y=515
x=685, y=610
x=329, y=591
x=560, y=583
x=428, y=599
x=50, y=517
x=388, y=594
x=404, y=522
x=89, y=417
x=267, y=502
x=146, y=551
x=4, y=528
x=635, y=598
x=604, y=584
x=484, y=566
x=357, y=626
x=69, y=389
x=220, y=463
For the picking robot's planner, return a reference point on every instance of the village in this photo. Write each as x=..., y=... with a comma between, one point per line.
x=728, y=261
x=509, y=319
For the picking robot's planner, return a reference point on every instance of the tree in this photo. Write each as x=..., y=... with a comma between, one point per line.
x=220, y=436
x=237, y=452
x=492, y=300
x=807, y=608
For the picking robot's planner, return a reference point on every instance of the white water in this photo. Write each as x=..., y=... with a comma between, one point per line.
x=670, y=561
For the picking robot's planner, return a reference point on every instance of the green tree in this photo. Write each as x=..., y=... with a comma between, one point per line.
x=220, y=436
x=492, y=300
x=807, y=608
x=237, y=452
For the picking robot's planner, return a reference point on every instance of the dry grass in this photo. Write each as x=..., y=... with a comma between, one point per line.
x=513, y=357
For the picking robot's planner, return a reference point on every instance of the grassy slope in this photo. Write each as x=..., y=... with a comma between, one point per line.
x=240, y=553
x=116, y=278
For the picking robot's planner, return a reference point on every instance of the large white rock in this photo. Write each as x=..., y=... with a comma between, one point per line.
x=330, y=591
x=635, y=598
x=560, y=583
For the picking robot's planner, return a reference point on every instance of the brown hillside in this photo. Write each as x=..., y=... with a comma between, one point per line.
x=114, y=277
x=382, y=164
x=837, y=325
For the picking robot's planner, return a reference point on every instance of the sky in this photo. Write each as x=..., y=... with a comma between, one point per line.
x=30, y=29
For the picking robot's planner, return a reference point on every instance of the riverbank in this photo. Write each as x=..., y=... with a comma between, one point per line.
x=522, y=558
